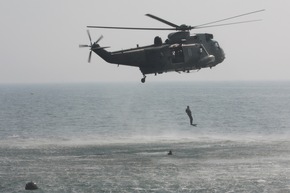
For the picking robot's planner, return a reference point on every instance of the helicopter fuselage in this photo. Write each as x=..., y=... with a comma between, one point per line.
x=180, y=52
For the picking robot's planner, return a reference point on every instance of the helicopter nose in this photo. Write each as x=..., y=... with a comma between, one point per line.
x=222, y=56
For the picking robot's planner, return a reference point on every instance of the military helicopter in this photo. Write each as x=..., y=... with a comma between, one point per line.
x=180, y=52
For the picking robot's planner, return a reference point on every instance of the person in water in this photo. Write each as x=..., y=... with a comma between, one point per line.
x=188, y=112
x=169, y=153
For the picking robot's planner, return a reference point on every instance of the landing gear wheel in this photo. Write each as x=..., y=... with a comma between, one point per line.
x=143, y=79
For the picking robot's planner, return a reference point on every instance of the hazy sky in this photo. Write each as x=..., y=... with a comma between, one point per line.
x=39, y=39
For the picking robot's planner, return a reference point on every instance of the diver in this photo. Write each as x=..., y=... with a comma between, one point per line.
x=188, y=112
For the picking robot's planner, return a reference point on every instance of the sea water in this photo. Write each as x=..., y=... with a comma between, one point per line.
x=114, y=137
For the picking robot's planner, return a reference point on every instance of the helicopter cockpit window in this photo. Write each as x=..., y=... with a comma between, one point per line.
x=217, y=45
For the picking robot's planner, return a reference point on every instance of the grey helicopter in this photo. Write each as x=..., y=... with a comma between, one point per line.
x=180, y=52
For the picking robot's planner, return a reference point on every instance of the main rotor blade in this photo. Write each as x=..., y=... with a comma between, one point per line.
x=162, y=20
x=217, y=25
x=198, y=26
x=131, y=28
x=176, y=27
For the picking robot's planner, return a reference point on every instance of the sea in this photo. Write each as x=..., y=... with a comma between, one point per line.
x=115, y=137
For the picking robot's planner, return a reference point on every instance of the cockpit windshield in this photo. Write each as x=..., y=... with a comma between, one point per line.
x=216, y=44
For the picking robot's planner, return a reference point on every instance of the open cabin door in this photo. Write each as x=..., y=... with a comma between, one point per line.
x=177, y=54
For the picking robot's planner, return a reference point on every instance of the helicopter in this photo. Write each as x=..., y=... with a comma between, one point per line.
x=180, y=52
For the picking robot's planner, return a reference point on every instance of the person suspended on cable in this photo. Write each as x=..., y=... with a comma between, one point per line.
x=188, y=112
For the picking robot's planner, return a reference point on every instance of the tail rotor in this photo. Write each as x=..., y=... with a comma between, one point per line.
x=92, y=46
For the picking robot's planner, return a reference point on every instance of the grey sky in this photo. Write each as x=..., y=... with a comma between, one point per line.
x=39, y=39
